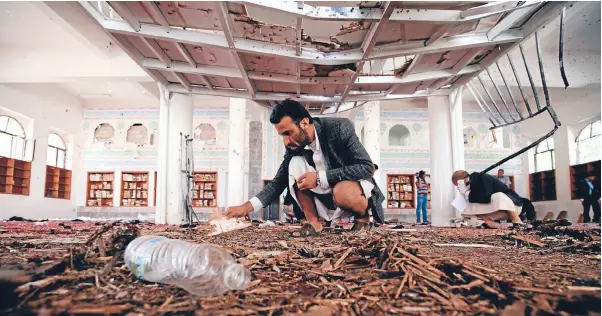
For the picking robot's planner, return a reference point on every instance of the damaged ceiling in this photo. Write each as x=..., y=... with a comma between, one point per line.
x=332, y=56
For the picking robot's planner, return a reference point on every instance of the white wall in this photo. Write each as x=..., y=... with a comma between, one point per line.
x=575, y=109
x=49, y=109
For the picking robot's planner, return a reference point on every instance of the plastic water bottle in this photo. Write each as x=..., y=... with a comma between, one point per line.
x=200, y=269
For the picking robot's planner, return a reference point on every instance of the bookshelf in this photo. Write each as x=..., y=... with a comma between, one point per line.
x=15, y=176
x=204, y=193
x=134, y=189
x=58, y=183
x=400, y=191
x=100, y=189
x=580, y=172
x=542, y=186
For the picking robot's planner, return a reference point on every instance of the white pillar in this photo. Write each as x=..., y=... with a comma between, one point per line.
x=236, y=152
x=562, y=140
x=442, y=189
x=175, y=111
x=457, y=128
x=372, y=133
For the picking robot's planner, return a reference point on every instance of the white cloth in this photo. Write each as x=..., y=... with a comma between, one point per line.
x=505, y=180
x=499, y=202
x=298, y=166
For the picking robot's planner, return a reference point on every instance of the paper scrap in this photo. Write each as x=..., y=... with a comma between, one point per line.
x=460, y=203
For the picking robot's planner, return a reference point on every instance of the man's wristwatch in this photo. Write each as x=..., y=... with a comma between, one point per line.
x=318, y=179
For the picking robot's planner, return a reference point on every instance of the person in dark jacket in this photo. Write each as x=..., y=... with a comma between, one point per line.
x=490, y=199
x=589, y=192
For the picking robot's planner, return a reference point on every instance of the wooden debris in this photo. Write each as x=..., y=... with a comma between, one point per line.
x=528, y=240
x=549, y=216
x=373, y=273
x=562, y=215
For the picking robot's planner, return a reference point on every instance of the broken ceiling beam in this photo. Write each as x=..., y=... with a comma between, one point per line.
x=367, y=46
x=126, y=14
x=308, y=55
x=496, y=7
x=399, y=15
x=458, y=68
x=549, y=11
x=155, y=12
x=439, y=34
x=179, y=66
x=226, y=23
x=507, y=22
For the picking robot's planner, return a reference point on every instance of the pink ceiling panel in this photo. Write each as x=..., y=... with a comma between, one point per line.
x=169, y=76
x=236, y=83
x=194, y=79
x=139, y=11
x=139, y=44
x=194, y=14
x=411, y=87
x=280, y=65
x=313, y=89
x=414, y=31
x=171, y=50
x=245, y=27
x=284, y=87
x=392, y=32
x=439, y=61
x=211, y=56
x=264, y=86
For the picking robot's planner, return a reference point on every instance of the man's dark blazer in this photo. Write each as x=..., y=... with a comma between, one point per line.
x=346, y=160
x=584, y=191
x=483, y=186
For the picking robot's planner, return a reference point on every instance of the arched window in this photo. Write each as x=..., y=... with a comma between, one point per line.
x=137, y=134
x=588, y=143
x=57, y=151
x=104, y=133
x=399, y=135
x=544, y=156
x=205, y=132
x=12, y=138
x=470, y=137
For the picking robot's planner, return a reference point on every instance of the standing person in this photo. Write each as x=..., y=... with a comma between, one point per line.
x=589, y=191
x=326, y=168
x=505, y=179
x=422, y=191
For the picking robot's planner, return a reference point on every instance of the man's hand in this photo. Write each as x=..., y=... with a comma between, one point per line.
x=308, y=180
x=239, y=211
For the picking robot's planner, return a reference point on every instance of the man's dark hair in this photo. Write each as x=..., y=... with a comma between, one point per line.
x=375, y=167
x=502, y=170
x=295, y=110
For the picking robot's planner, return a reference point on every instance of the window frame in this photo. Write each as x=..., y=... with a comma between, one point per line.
x=409, y=136
x=58, y=151
x=546, y=151
x=24, y=137
x=578, y=141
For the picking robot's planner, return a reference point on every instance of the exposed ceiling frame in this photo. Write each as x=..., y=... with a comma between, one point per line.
x=511, y=19
x=157, y=51
x=226, y=23
x=182, y=49
x=367, y=46
x=415, y=61
x=155, y=12
x=312, y=56
x=375, y=14
x=299, y=34
x=457, y=69
x=496, y=6
x=549, y=11
x=126, y=14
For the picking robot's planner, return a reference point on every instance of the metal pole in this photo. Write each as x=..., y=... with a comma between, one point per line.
x=522, y=93
x=522, y=52
x=491, y=98
x=509, y=92
x=561, y=50
x=487, y=113
x=500, y=94
x=543, y=81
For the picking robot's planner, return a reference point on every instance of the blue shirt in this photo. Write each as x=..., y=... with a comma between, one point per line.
x=591, y=186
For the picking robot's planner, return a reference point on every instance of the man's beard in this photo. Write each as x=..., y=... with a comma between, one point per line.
x=303, y=140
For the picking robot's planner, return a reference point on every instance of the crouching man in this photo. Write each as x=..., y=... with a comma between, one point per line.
x=326, y=169
x=490, y=199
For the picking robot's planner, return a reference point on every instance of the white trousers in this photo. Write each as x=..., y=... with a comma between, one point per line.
x=297, y=167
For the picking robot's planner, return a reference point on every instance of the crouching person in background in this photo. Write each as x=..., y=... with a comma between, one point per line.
x=490, y=199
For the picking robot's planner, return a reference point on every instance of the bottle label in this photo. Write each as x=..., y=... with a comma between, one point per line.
x=139, y=264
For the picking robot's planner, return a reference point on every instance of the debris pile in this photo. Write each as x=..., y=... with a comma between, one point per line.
x=371, y=273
